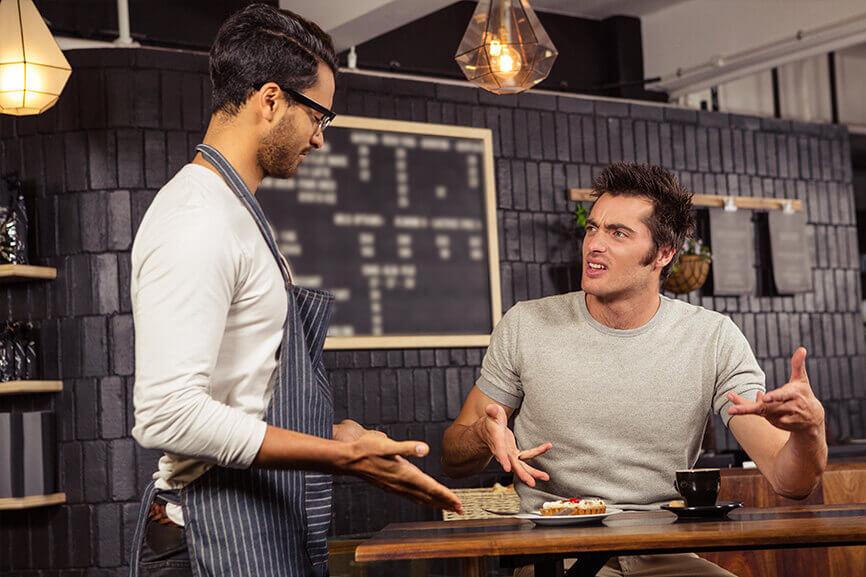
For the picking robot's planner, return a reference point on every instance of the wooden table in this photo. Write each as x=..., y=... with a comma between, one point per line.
x=632, y=533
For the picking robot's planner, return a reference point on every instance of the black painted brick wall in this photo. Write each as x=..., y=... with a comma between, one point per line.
x=129, y=119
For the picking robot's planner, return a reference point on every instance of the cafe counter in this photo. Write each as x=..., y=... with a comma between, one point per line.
x=843, y=482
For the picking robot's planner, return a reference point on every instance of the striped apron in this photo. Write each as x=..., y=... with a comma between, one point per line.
x=255, y=522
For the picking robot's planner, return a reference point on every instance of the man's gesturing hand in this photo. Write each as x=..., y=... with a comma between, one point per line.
x=493, y=430
x=382, y=462
x=791, y=407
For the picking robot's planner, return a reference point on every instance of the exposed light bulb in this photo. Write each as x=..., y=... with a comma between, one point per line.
x=505, y=61
x=12, y=77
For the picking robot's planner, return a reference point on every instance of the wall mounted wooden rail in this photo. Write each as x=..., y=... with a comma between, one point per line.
x=715, y=200
x=24, y=272
x=14, y=503
x=23, y=387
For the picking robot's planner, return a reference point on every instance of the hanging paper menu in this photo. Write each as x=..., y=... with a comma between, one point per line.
x=792, y=268
x=733, y=244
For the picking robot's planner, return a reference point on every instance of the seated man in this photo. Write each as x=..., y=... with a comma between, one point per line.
x=613, y=384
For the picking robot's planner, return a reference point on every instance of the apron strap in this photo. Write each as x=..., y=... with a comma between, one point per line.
x=239, y=187
x=138, y=537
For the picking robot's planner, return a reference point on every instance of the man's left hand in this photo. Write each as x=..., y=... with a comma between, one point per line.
x=348, y=431
x=791, y=407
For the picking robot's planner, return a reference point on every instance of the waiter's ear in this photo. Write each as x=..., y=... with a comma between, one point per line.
x=267, y=100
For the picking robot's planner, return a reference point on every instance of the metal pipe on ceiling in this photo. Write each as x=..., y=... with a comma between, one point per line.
x=803, y=44
x=124, y=38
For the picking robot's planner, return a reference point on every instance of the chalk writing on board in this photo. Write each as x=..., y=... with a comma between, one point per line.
x=397, y=226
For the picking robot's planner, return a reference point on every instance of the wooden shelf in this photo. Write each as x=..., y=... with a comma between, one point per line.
x=714, y=200
x=14, y=503
x=21, y=387
x=10, y=273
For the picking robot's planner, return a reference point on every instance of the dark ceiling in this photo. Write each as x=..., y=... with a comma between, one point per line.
x=188, y=24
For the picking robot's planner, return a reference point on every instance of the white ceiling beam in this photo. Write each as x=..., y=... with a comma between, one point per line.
x=600, y=9
x=353, y=22
x=795, y=46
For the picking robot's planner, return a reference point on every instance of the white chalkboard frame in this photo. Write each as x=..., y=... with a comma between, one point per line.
x=485, y=135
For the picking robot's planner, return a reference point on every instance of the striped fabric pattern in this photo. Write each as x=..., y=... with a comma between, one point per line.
x=138, y=536
x=314, y=312
x=260, y=523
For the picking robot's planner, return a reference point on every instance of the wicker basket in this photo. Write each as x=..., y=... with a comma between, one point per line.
x=476, y=500
x=690, y=274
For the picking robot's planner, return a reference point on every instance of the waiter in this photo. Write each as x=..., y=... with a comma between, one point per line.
x=229, y=376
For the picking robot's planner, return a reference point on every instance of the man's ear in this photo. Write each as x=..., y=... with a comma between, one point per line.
x=664, y=256
x=266, y=100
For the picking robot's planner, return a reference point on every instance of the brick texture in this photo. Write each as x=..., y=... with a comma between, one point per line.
x=124, y=126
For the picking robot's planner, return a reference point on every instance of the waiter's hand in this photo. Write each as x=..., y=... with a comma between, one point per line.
x=382, y=462
x=791, y=407
x=347, y=431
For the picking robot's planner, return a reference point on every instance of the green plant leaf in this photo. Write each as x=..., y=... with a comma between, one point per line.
x=580, y=216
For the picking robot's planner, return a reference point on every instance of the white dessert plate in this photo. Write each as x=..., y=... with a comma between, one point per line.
x=559, y=520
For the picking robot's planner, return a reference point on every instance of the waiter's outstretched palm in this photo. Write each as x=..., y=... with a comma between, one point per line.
x=382, y=461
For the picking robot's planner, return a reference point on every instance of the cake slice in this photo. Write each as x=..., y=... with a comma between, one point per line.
x=590, y=506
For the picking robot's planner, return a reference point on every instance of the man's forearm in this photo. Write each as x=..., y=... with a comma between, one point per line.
x=800, y=463
x=464, y=452
x=284, y=449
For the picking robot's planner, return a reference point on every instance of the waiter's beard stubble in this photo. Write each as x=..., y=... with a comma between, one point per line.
x=280, y=149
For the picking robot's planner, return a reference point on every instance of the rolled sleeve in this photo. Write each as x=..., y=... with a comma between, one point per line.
x=498, y=394
x=500, y=369
x=737, y=370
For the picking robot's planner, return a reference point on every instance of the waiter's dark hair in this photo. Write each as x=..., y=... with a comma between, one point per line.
x=671, y=221
x=261, y=44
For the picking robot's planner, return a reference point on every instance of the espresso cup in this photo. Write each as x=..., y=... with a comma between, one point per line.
x=699, y=487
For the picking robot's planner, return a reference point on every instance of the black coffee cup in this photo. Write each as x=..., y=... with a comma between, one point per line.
x=699, y=487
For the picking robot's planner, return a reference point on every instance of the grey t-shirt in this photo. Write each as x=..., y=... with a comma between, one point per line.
x=624, y=409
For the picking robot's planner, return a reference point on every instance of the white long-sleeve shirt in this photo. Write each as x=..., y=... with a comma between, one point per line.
x=208, y=305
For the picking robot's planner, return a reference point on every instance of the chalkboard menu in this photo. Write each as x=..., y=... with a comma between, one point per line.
x=398, y=221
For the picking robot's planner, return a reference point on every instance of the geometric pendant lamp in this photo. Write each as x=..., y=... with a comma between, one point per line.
x=505, y=50
x=33, y=69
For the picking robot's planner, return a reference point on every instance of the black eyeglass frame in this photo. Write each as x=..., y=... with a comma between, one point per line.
x=328, y=115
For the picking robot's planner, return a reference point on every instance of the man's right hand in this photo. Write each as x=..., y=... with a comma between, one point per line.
x=382, y=462
x=493, y=430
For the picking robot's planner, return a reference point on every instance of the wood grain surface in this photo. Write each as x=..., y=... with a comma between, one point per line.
x=626, y=533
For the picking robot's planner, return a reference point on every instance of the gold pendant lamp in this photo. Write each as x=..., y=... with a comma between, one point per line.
x=505, y=50
x=33, y=69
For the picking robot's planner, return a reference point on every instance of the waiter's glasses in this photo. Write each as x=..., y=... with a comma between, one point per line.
x=323, y=121
x=327, y=115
